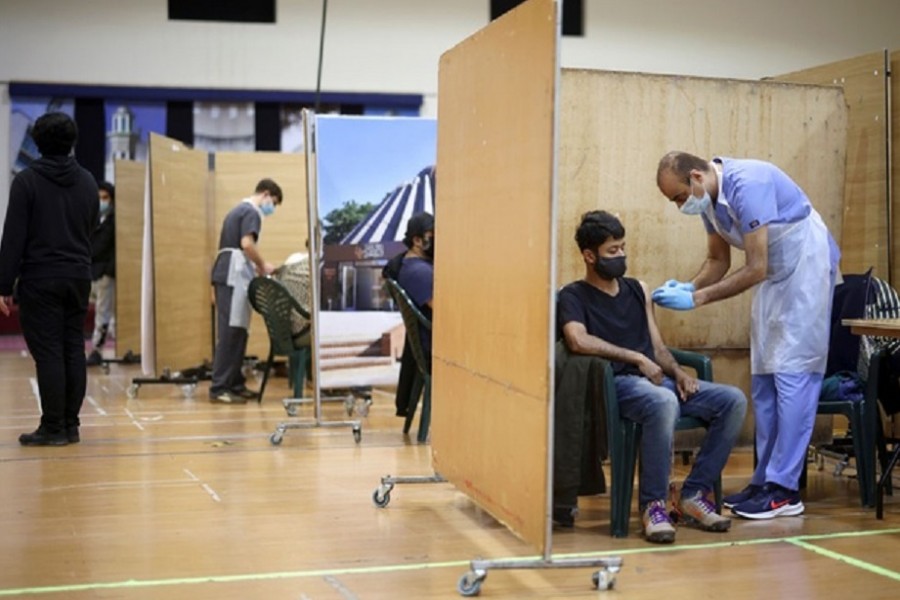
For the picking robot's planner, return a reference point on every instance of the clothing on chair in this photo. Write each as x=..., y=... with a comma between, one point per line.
x=580, y=443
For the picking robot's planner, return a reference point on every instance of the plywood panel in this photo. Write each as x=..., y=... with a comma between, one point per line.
x=130, y=179
x=616, y=126
x=181, y=254
x=895, y=167
x=284, y=233
x=493, y=277
x=865, y=223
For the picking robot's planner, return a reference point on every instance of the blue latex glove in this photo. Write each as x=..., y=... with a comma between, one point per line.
x=674, y=298
x=682, y=285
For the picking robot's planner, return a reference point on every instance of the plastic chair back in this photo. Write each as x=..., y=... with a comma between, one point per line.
x=276, y=305
x=413, y=320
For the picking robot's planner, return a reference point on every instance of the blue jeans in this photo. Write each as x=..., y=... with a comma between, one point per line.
x=656, y=408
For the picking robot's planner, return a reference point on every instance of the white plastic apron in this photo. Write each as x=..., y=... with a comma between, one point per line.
x=790, y=318
x=240, y=272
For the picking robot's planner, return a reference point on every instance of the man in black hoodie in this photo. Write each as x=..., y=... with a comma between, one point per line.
x=45, y=254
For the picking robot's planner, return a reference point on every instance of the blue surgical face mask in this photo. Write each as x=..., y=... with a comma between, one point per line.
x=104, y=207
x=694, y=205
x=267, y=209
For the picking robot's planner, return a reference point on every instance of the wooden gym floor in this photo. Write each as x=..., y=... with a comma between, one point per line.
x=167, y=497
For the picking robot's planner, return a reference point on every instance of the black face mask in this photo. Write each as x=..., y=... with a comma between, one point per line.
x=428, y=247
x=610, y=268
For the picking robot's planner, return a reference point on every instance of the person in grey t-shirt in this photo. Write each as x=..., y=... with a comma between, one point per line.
x=236, y=264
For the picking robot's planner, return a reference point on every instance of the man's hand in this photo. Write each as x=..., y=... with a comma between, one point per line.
x=687, y=386
x=267, y=269
x=651, y=371
x=5, y=303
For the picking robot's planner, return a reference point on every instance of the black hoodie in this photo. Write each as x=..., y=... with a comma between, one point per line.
x=53, y=208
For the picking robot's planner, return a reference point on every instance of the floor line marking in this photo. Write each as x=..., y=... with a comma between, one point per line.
x=146, y=583
x=340, y=588
x=861, y=564
x=111, y=485
x=134, y=420
x=37, y=393
x=204, y=485
x=95, y=404
x=716, y=545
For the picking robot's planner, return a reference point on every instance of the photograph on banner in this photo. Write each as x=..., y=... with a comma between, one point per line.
x=128, y=127
x=373, y=174
x=23, y=113
x=225, y=126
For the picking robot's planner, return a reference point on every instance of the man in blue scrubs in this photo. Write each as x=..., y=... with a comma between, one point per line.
x=793, y=260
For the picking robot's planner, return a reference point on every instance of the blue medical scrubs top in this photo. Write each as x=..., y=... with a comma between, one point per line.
x=759, y=193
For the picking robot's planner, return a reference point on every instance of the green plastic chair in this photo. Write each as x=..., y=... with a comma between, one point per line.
x=273, y=301
x=863, y=417
x=414, y=321
x=625, y=437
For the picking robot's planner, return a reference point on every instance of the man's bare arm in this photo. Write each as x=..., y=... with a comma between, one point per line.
x=756, y=248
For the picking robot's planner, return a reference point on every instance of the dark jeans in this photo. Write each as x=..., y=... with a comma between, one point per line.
x=52, y=314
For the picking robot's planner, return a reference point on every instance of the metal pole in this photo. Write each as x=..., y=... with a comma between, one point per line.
x=321, y=56
x=888, y=127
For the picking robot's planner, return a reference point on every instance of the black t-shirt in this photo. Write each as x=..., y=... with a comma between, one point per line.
x=619, y=319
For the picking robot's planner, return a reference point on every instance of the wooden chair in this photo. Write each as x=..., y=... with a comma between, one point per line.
x=414, y=321
x=276, y=305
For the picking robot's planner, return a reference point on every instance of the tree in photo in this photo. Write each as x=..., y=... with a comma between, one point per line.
x=341, y=221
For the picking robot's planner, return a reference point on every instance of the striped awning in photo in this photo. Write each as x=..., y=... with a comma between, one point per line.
x=387, y=222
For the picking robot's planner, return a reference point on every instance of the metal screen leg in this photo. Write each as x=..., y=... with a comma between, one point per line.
x=382, y=494
x=604, y=579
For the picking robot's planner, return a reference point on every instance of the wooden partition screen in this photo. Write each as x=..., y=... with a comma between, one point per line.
x=493, y=267
x=235, y=175
x=608, y=160
x=894, y=159
x=865, y=224
x=609, y=156
x=181, y=254
x=130, y=183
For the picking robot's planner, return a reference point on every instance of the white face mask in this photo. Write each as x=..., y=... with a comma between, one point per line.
x=694, y=205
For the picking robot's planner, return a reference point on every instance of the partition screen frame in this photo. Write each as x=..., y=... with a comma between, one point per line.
x=494, y=308
x=129, y=209
x=868, y=239
x=179, y=198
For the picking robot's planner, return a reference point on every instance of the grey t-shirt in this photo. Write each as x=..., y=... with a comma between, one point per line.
x=241, y=220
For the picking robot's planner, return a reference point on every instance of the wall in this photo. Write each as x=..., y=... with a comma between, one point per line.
x=393, y=46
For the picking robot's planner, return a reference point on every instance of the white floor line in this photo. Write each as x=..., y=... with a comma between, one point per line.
x=212, y=493
x=106, y=485
x=37, y=393
x=96, y=406
x=134, y=421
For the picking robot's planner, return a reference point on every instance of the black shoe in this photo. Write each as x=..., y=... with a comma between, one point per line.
x=246, y=393
x=72, y=434
x=564, y=516
x=41, y=437
x=94, y=359
x=104, y=330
